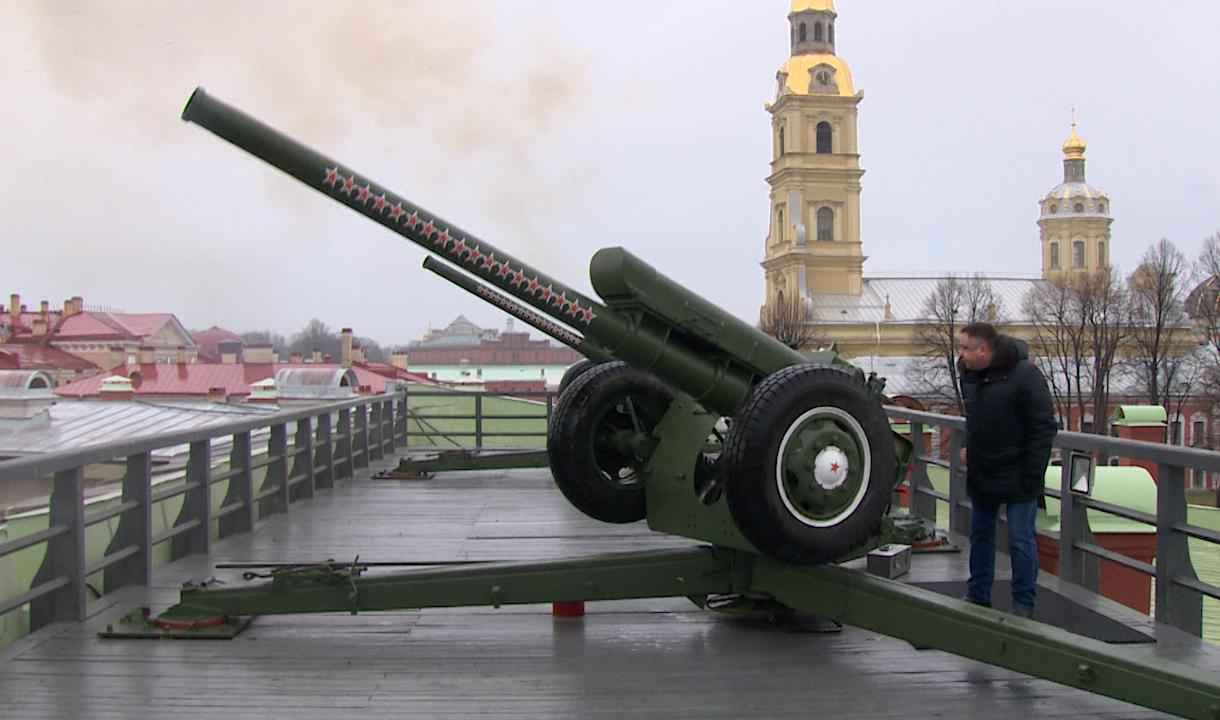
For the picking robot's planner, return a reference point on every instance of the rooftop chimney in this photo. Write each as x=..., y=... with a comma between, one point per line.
x=358, y=353
x=317, y=355
x=146, y=355
x=345, y=344
x=217, y=394
x=117, y=387
x=398, y=359
x=259, y=354
x=14, y=310
x=296, y=357
x=73, y=306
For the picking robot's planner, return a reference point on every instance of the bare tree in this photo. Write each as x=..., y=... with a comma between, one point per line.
x=1059, y=335
x=1105, y=310
x=786, y=321
x=1158, y=319
x=953, y=304
x=1205, y=310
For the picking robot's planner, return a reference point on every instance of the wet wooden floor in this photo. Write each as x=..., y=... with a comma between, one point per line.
x=655, y=658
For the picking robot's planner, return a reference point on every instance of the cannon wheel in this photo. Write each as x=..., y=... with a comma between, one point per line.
x=809, y=464
x=600, y=438
x=579, y=368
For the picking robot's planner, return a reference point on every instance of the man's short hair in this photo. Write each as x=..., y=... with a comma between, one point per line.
x=983, y=332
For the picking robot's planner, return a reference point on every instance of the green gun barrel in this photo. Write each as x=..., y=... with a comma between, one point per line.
x=474, y=287
x=719, y=381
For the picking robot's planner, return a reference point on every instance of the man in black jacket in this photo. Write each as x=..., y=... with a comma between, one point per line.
x=1010, y=425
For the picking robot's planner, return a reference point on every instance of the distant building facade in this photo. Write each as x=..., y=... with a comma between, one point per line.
x=462, y=343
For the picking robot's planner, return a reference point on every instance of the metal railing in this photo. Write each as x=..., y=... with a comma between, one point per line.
x=478, y=428
x=305, y=449
x=1179, y=592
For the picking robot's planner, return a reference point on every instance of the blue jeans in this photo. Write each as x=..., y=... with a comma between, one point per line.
x=1022, y=547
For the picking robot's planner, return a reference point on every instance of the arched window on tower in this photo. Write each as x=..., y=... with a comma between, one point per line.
x=1101, y=253
x=1054, y=256
x=1078, y=207
x=781, y=140
x=830, y=33
x=824, y=138
x=1078, y=254
x=800, y=33
x=826, y=224
x=779, y=225
x=817, y=32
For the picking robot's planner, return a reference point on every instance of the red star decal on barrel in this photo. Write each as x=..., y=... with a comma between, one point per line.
x=518, y=277
x=589, y=315
x=574, y=309
x=459, y=247
x=413, y=220
x=396, y=212
x=532, y=287
x=547, y=293
x=561, y=300
x=489, y=262
x=348, y=183
x=834, y=467
x=427, y=229
x=364, y=194
x=332, y=177
x=505, y=270
x=475, y=255
x=379, y=203
x=443, y=238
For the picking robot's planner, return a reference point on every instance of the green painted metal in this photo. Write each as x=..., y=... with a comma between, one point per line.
x=1139, y=416
x=466, y=459
x=921, y=617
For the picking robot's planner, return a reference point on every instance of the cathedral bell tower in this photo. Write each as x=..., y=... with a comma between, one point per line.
x=813, y=244
x=1074, y=221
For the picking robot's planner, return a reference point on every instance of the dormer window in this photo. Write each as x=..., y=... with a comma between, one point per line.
x=1054, y=208
x=1078, y=207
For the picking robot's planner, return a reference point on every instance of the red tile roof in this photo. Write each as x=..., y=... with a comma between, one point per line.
x=37, y=356
x=92, y=325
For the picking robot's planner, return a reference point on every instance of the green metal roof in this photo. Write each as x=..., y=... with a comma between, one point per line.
x=1128, y=487
x=1139, y=415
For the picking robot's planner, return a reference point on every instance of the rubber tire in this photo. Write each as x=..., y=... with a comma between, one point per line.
x=572, y=428
x=751, y=452
x=580, y=367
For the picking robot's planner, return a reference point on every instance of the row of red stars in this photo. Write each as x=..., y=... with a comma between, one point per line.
x=364, y=193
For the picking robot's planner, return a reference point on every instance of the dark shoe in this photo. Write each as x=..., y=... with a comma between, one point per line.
x=973, y=601
x=1022, y=611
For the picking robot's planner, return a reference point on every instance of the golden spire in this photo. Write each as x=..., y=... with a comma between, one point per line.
x=1073, y=147
x=824, y=5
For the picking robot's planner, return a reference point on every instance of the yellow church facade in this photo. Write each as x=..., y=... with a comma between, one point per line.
x=813, y=248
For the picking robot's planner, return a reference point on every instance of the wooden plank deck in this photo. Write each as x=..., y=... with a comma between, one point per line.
x=655, y=658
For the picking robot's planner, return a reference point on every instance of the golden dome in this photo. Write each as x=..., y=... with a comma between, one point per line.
x=798, y=67
x=1073, y=147
x=823, y=5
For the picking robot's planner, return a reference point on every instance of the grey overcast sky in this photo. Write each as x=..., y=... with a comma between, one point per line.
x=553, y=128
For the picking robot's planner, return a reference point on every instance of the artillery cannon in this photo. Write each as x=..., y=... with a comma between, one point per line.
x=809, y=460
x=803, y=478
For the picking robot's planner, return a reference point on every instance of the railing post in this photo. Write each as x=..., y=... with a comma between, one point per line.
x=241, y=489
x=302, y=461
x=345, y=444
x=1176, y=605
x=196, y=504
x=134, y=528
x=361, y=440
x=390, y=439
x=478, y=420
x=405, y=412
x=324, y=453
x=65, y=556
x=1075, y=565
x=277, y=468
x=922, y=505
x=959, y=510
x=375, y=430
